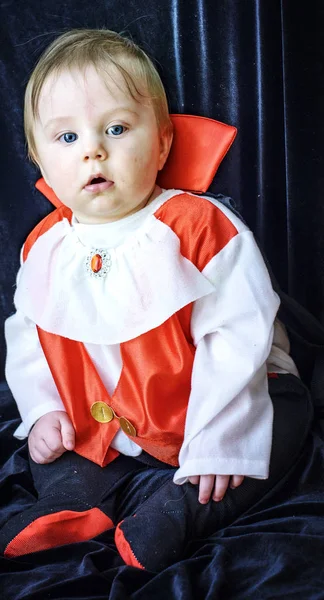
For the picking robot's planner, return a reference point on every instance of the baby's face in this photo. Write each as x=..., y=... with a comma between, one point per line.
x=98, y=148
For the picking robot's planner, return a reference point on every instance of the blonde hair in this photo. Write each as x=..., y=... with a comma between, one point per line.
x=101, y=48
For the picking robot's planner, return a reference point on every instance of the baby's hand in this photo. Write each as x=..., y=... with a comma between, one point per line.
x=215, y=485
x=50, y=437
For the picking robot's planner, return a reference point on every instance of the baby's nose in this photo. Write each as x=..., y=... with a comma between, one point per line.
x=95, y=152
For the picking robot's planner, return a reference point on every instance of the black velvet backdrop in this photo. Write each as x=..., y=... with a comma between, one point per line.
x=256, y=64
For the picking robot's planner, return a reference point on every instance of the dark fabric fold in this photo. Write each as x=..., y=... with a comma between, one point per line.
x=258, y=66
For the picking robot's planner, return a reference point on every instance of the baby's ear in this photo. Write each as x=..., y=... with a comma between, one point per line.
x=166, y=136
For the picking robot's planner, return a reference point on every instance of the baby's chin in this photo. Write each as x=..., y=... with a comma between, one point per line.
x=99, y=217
x=105, y=208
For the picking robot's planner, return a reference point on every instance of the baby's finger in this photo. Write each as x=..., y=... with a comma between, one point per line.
x=206, y=485
x=53, y=441
x=36, y=456
x=40, y=454
x=68, y=434
x=194, y=479
x=48, y=454
x=236, y=480
x=221, y=485
x=34, y=452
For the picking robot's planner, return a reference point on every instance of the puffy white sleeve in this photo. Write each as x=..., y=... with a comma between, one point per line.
x=228, y=428
x=28, y=374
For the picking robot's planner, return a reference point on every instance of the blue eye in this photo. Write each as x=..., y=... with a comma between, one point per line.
x=69, y=137
x=116, y=130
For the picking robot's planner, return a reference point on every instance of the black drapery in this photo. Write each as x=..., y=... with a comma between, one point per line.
x=256, y=64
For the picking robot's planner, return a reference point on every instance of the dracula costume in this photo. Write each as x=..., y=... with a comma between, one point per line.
x=158, y=335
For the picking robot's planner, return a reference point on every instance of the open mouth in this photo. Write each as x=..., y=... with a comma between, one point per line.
x=98, y=184
x=97, y=180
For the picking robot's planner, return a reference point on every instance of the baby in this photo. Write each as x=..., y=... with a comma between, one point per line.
x=144, y=320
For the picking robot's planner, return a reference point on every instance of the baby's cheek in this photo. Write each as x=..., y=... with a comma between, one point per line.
x=140, y=155
x=138, y=170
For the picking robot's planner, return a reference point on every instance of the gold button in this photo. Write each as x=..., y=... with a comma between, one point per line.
x=101, y=412
x=126, y=426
